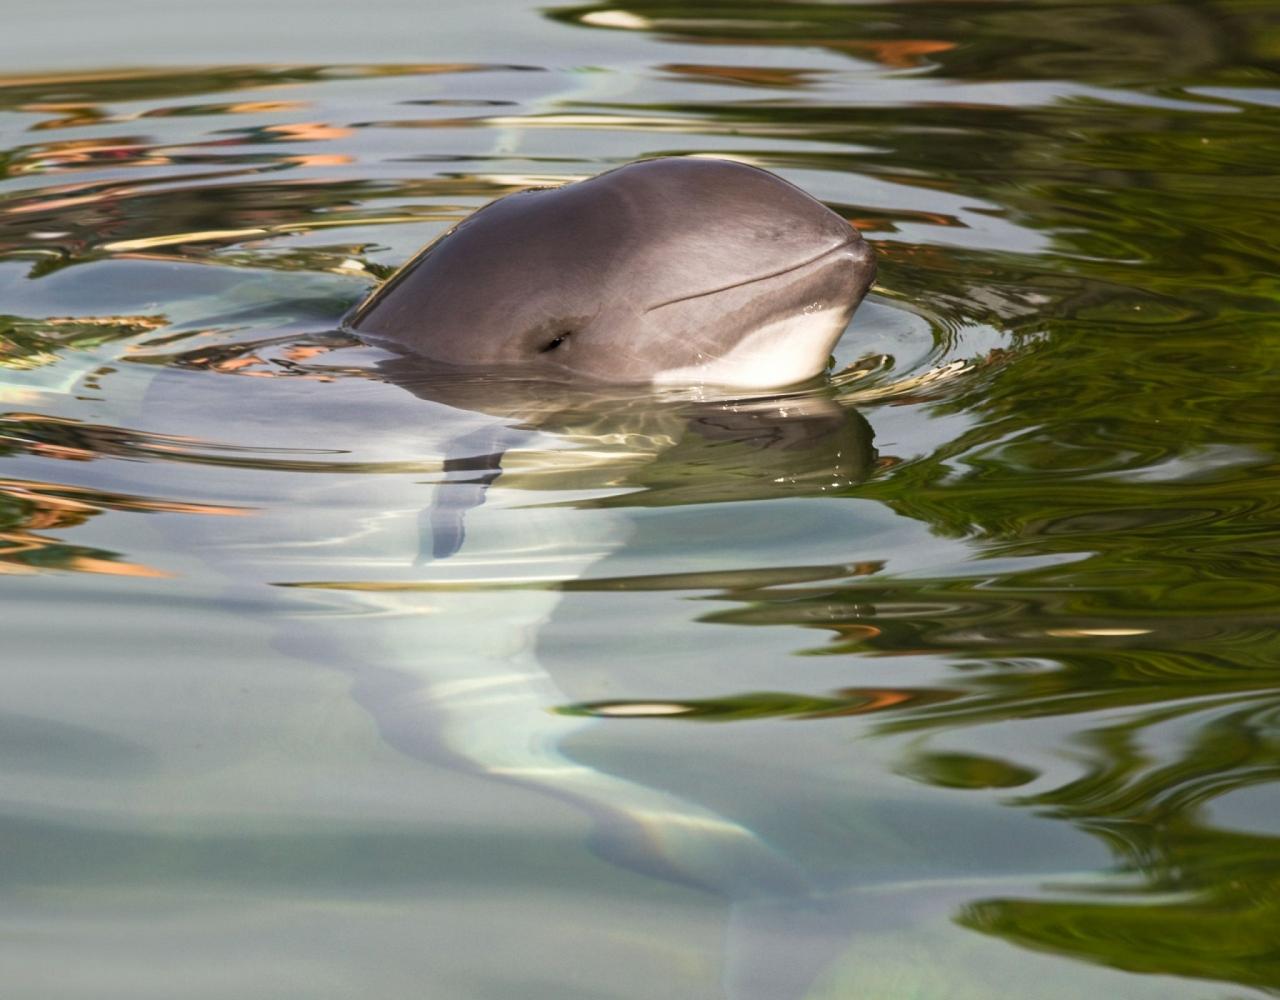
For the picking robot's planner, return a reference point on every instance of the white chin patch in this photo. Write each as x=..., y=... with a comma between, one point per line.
x=784, y=351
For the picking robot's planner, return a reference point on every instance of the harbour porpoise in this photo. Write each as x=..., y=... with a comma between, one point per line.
x=526, y=317
x=672, y=271
x=666, y=272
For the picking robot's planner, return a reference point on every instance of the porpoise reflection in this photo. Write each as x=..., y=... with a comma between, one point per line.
x=634, y=447
x=671, y=271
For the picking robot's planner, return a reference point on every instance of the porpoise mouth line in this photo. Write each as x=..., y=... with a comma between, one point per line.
x=758, y=277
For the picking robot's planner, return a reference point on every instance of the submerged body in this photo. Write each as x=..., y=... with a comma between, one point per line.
x=667, y=271
x=433, y=590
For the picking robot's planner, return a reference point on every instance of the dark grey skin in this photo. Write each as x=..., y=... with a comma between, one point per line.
x=670, y=271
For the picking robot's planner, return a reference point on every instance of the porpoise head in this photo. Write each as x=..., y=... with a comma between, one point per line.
x=667, y=271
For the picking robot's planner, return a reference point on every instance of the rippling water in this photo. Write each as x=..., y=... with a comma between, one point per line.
x=954, y=676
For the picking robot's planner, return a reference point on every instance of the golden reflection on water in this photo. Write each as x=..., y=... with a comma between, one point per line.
x=30, y=510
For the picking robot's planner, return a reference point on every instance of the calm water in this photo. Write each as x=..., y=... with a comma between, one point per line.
x=953, y=677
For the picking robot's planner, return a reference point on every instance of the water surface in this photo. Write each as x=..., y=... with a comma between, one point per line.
x=956, y=680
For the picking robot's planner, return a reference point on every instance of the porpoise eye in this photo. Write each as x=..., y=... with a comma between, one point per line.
x=553, y=344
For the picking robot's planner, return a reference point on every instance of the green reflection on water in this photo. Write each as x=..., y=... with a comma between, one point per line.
x=1136, y=439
